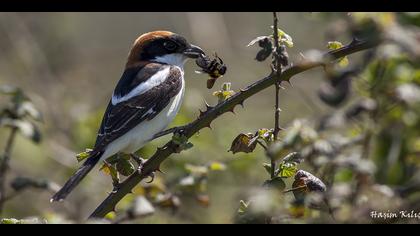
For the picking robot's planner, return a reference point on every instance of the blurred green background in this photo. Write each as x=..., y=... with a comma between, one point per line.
x=69, y=63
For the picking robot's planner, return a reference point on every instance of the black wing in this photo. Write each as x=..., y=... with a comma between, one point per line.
x=124, y=116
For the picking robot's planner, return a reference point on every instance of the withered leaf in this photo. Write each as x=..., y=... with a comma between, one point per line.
x=243, y=143
x=306, y=182
x=203, y=200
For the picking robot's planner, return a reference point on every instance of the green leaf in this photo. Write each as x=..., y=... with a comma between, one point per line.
x=83, y=155
x=224, y=93
x=275, y=183
x=111, y=215
x=125, y=167
x=243, y=207
x=284, y=38
x=343, y=62
x=217, y=166
x=266, y=135
x=179, y=139
x=182, y=142
x=187, y=146
x=333, y=45
x=287, y=169
x=10, y=221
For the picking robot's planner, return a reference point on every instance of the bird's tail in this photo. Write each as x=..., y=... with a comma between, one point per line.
x=77, y=177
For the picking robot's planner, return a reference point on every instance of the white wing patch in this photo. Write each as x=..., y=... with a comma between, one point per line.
x=153, y=81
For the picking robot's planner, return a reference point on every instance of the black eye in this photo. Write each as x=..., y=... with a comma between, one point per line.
x=169, y=45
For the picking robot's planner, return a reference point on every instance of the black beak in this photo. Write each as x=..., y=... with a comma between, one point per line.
x=193, y=51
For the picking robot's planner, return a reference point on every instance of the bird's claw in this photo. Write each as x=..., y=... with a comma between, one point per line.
x=116, y=187
x=140, y=161
x=152, y=176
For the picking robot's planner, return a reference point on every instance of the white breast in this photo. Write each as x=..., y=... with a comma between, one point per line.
x=144, y=132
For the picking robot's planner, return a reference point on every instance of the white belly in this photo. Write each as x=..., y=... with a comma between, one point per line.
x=143, y=133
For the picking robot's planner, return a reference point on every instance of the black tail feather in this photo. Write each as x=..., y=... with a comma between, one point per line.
x=77, y=177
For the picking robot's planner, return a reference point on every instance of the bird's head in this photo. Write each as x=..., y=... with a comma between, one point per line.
x=164, y=47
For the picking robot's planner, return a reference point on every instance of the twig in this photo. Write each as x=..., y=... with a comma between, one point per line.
x=4, y=166
x=277, y=66
x=293, y=189
x=212, y=113
x=262, y=145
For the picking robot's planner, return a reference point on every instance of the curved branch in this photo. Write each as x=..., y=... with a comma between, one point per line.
x=206, y=117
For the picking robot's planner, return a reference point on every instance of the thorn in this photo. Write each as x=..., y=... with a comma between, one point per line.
x=159, y=170
x=152, y=175
x=113, y=209
x=208, y=106
x=208, y=125
x=232, y=110
x=288, y=81
x=355, y=41
x=242, y=103
x=202, y=113
x=243, y=90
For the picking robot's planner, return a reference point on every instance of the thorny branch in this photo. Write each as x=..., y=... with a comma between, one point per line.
x=211, y=113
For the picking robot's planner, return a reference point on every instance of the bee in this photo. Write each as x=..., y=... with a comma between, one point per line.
x=215, y=68
x=266, y=49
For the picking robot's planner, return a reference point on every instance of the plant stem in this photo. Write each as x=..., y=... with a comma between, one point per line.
x=277, y=68
x=4, y=166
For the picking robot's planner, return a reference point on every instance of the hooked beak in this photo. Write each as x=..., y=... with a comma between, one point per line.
x=193, y=51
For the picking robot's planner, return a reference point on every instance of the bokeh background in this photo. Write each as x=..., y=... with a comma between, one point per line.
x=69, y=63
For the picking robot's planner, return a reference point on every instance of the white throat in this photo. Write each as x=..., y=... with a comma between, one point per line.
x=175, y=59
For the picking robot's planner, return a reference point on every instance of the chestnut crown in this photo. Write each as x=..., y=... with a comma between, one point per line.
x=159, y=44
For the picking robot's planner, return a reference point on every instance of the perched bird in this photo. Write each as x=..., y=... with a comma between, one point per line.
x=145, y=100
